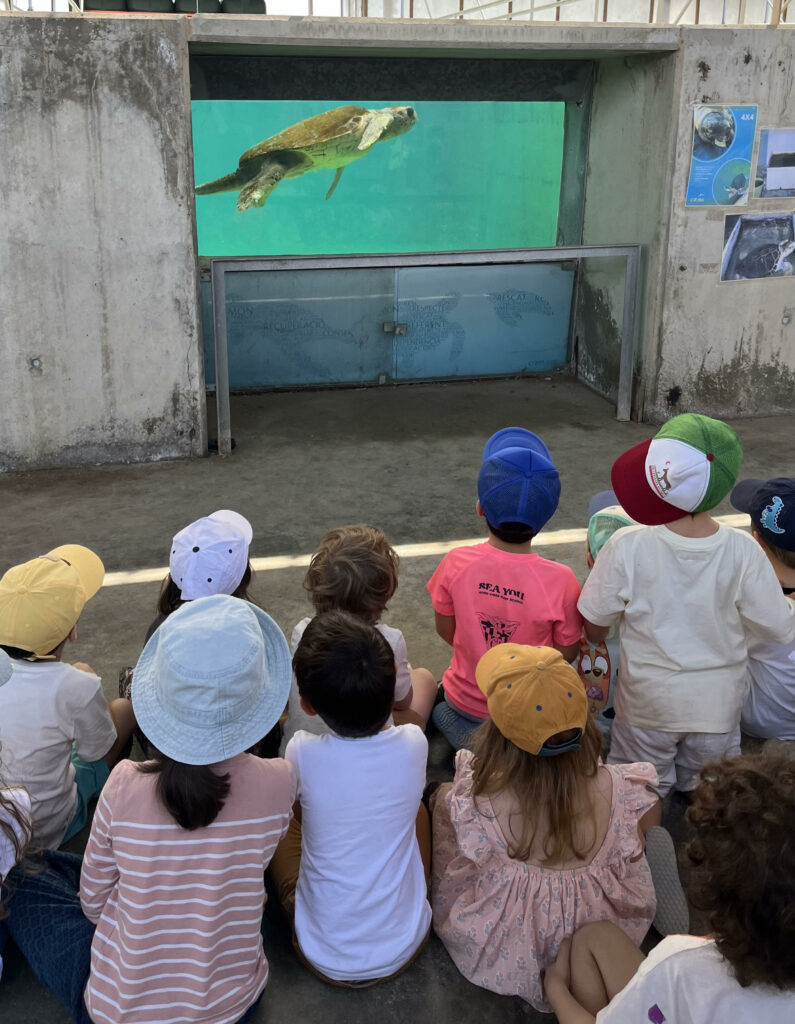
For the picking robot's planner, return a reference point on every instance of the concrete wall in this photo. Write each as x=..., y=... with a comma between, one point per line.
x=100, y=357
x=627, y=190
x=724, y=349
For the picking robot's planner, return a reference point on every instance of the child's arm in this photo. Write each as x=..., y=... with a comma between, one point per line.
x=569, y=651
x=445, y=627
x=594, y=633
x=100, y=875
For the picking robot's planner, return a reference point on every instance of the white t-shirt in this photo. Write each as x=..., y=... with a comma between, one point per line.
x=769, y=709
x=45, y=707
x=297, y=718
x=361, y=906
x=687, y=608
x=8, y=855
x=685, y=980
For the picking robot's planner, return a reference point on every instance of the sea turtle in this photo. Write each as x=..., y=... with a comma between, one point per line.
x=328, y=141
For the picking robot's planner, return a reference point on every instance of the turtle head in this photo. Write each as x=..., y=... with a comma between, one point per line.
x=402, y=120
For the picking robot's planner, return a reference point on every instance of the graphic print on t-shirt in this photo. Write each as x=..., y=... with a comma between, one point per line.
x=496, y=631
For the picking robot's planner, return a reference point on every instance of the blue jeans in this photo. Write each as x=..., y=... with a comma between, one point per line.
x=456, y=726
x=52, y=932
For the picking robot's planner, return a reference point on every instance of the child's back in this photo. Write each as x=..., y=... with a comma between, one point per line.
x=769, y=709
x=531, y=841
x=361, y=909
x=499, y=591
x=358, y=886
x=188, y=907
x=688, y=594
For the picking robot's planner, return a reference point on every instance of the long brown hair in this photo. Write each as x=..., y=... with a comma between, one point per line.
x=550, y=791
x=193, y=794
x=20, y=837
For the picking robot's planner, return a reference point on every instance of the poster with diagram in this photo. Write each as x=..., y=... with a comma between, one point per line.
x=720, y=163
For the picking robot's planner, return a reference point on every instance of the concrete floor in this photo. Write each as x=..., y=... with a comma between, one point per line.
x=404, y=459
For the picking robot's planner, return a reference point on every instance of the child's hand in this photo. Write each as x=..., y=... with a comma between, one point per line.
x=559, y=973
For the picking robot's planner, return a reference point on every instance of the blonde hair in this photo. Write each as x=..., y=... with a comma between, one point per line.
x=551, y=790
x=355, y=570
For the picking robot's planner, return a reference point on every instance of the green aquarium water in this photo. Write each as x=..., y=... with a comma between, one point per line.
x=460, y=176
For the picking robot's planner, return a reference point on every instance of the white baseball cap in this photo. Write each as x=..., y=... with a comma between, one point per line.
x=211, y=555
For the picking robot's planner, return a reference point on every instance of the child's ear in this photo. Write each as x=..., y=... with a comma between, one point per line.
x=307, y=708
x=479, y=509
x=72, y=634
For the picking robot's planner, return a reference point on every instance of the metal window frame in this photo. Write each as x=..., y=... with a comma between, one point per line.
x=221, y=267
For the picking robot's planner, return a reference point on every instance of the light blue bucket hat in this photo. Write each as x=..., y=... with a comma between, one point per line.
x=212, y=681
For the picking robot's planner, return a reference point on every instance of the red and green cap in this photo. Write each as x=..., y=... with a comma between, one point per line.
x=689, y=466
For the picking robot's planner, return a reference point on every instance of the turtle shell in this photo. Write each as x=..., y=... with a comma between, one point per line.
x=320, y=129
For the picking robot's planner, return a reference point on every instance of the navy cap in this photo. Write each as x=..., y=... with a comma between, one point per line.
x=771, y=506
x=518, y=481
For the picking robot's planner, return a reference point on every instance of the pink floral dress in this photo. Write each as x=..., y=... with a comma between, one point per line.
x=502, y=920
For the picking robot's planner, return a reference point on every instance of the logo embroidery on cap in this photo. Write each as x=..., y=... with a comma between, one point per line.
x=660, y=481
x=769, y=517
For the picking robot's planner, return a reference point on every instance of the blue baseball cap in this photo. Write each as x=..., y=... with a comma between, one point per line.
x=518, y=481
x=771, y=506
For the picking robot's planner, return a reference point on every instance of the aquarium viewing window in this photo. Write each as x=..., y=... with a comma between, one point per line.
x=361, y=175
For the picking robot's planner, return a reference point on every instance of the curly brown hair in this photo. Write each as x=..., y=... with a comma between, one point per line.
x=355, y=569
x=743, y=864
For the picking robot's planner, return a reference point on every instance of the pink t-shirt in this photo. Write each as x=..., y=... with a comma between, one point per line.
x=178, y=913
x=500, y=597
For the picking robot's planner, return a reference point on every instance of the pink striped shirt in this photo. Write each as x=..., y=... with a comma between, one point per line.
x=178, y=913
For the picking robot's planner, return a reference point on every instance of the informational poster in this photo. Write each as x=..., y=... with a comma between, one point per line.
x=775, y=164
x=758, y=245
x=720, y=165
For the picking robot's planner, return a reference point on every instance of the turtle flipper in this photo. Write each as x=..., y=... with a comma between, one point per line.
x=377, y=124
x=260, y=187
x=229, y=183
x=334, y=183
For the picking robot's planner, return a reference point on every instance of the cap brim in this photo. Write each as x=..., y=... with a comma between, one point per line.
x=86, y=564
x=604, y=499
x=514, y=437
x=742, y=495
x=628, y=477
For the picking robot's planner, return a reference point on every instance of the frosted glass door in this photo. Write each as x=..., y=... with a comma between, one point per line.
x=310, y=327
x=482, y=321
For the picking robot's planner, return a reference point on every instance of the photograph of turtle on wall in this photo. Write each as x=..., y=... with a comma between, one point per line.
x=300, y=177
x=720, y=165
x=757, y=245
x=775, y=164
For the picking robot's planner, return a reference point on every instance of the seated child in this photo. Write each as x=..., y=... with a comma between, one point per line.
x=60, y=738
x=598, y=663
x=535, y=836
x=688, y=595
x=743, y=878
x=209, y=556
x=499, y=591
x=167, y=923
x=769, y=709
x=356, y=570
x=14, y=822
x=352, y=873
